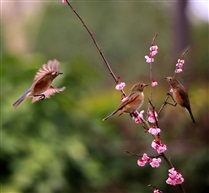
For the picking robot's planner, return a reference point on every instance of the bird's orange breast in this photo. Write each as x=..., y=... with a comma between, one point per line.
x=178, y=97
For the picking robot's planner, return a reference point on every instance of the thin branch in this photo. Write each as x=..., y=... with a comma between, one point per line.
x=151, y=75
x=134, y=154
x=153, y=40
x=137, y=155
x=166, y=102
x=96, y=44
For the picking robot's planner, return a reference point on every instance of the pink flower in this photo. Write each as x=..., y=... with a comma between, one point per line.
x=179, y=66
x=154, y=144
x=149, y=59
x=145, y=158
x=120, y=86
x=141, y=114
x=124, y=99
x=152, y=116
x=155, y=162
x=151, y=119
x=157, y=191
x=139, y=117
x=158, y=146
x=161, y=148
x=64, y=1
x=154, y=130
x=153, y=48
x=171, y=90
x=141, y=162
x=137, y=120
x=153, y=53
x=180, y=61
x=174, y=177
x=178, y=70
x=154, y=83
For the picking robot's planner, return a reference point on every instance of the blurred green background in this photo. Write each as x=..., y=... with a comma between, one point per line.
x=60, y=144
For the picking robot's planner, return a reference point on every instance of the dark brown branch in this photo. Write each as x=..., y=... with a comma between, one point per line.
x=137, y=155
x=153, y=40
x=151, y=76
x=166, y=102
x=96, y=44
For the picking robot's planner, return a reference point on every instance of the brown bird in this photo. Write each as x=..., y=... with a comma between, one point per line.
x=133, y=101
x=41, y=87
x=180, y=95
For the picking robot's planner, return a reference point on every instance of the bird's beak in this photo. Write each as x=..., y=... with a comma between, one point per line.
x=166, y=77
x=60, y=72
x=146, y=85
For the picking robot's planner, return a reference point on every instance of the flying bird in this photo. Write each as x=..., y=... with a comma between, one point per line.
x=41, y=87
x=133, y=101
x=180, y=95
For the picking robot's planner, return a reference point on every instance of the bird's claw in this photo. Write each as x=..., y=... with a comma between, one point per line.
x=42, y=97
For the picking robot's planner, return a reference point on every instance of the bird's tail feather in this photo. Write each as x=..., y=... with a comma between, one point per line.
x=110, y=115
x=21, y=99
x=191, y=115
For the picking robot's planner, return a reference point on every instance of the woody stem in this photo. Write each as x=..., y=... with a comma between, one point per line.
x=96, y=44
x=151, y=76
x=168, y=161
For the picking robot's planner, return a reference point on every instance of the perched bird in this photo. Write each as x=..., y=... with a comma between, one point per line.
x=41, y=87
x=133, y=101
x=180, y=95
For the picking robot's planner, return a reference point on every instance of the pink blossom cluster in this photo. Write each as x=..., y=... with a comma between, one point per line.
x=120, y=86
x=139, y=117
x=152, y=116
x=179, y=66
x=154, y=130
x=158, y=146
x=174, y=177
x=154, y=162
x=64, y=1
x=153, y=52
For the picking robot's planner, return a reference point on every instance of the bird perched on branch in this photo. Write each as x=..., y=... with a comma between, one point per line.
x=132, y=102
x=41, y=87
x=180, y=95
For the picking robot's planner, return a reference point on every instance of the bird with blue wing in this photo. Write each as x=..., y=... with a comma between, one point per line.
x=41, y=87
